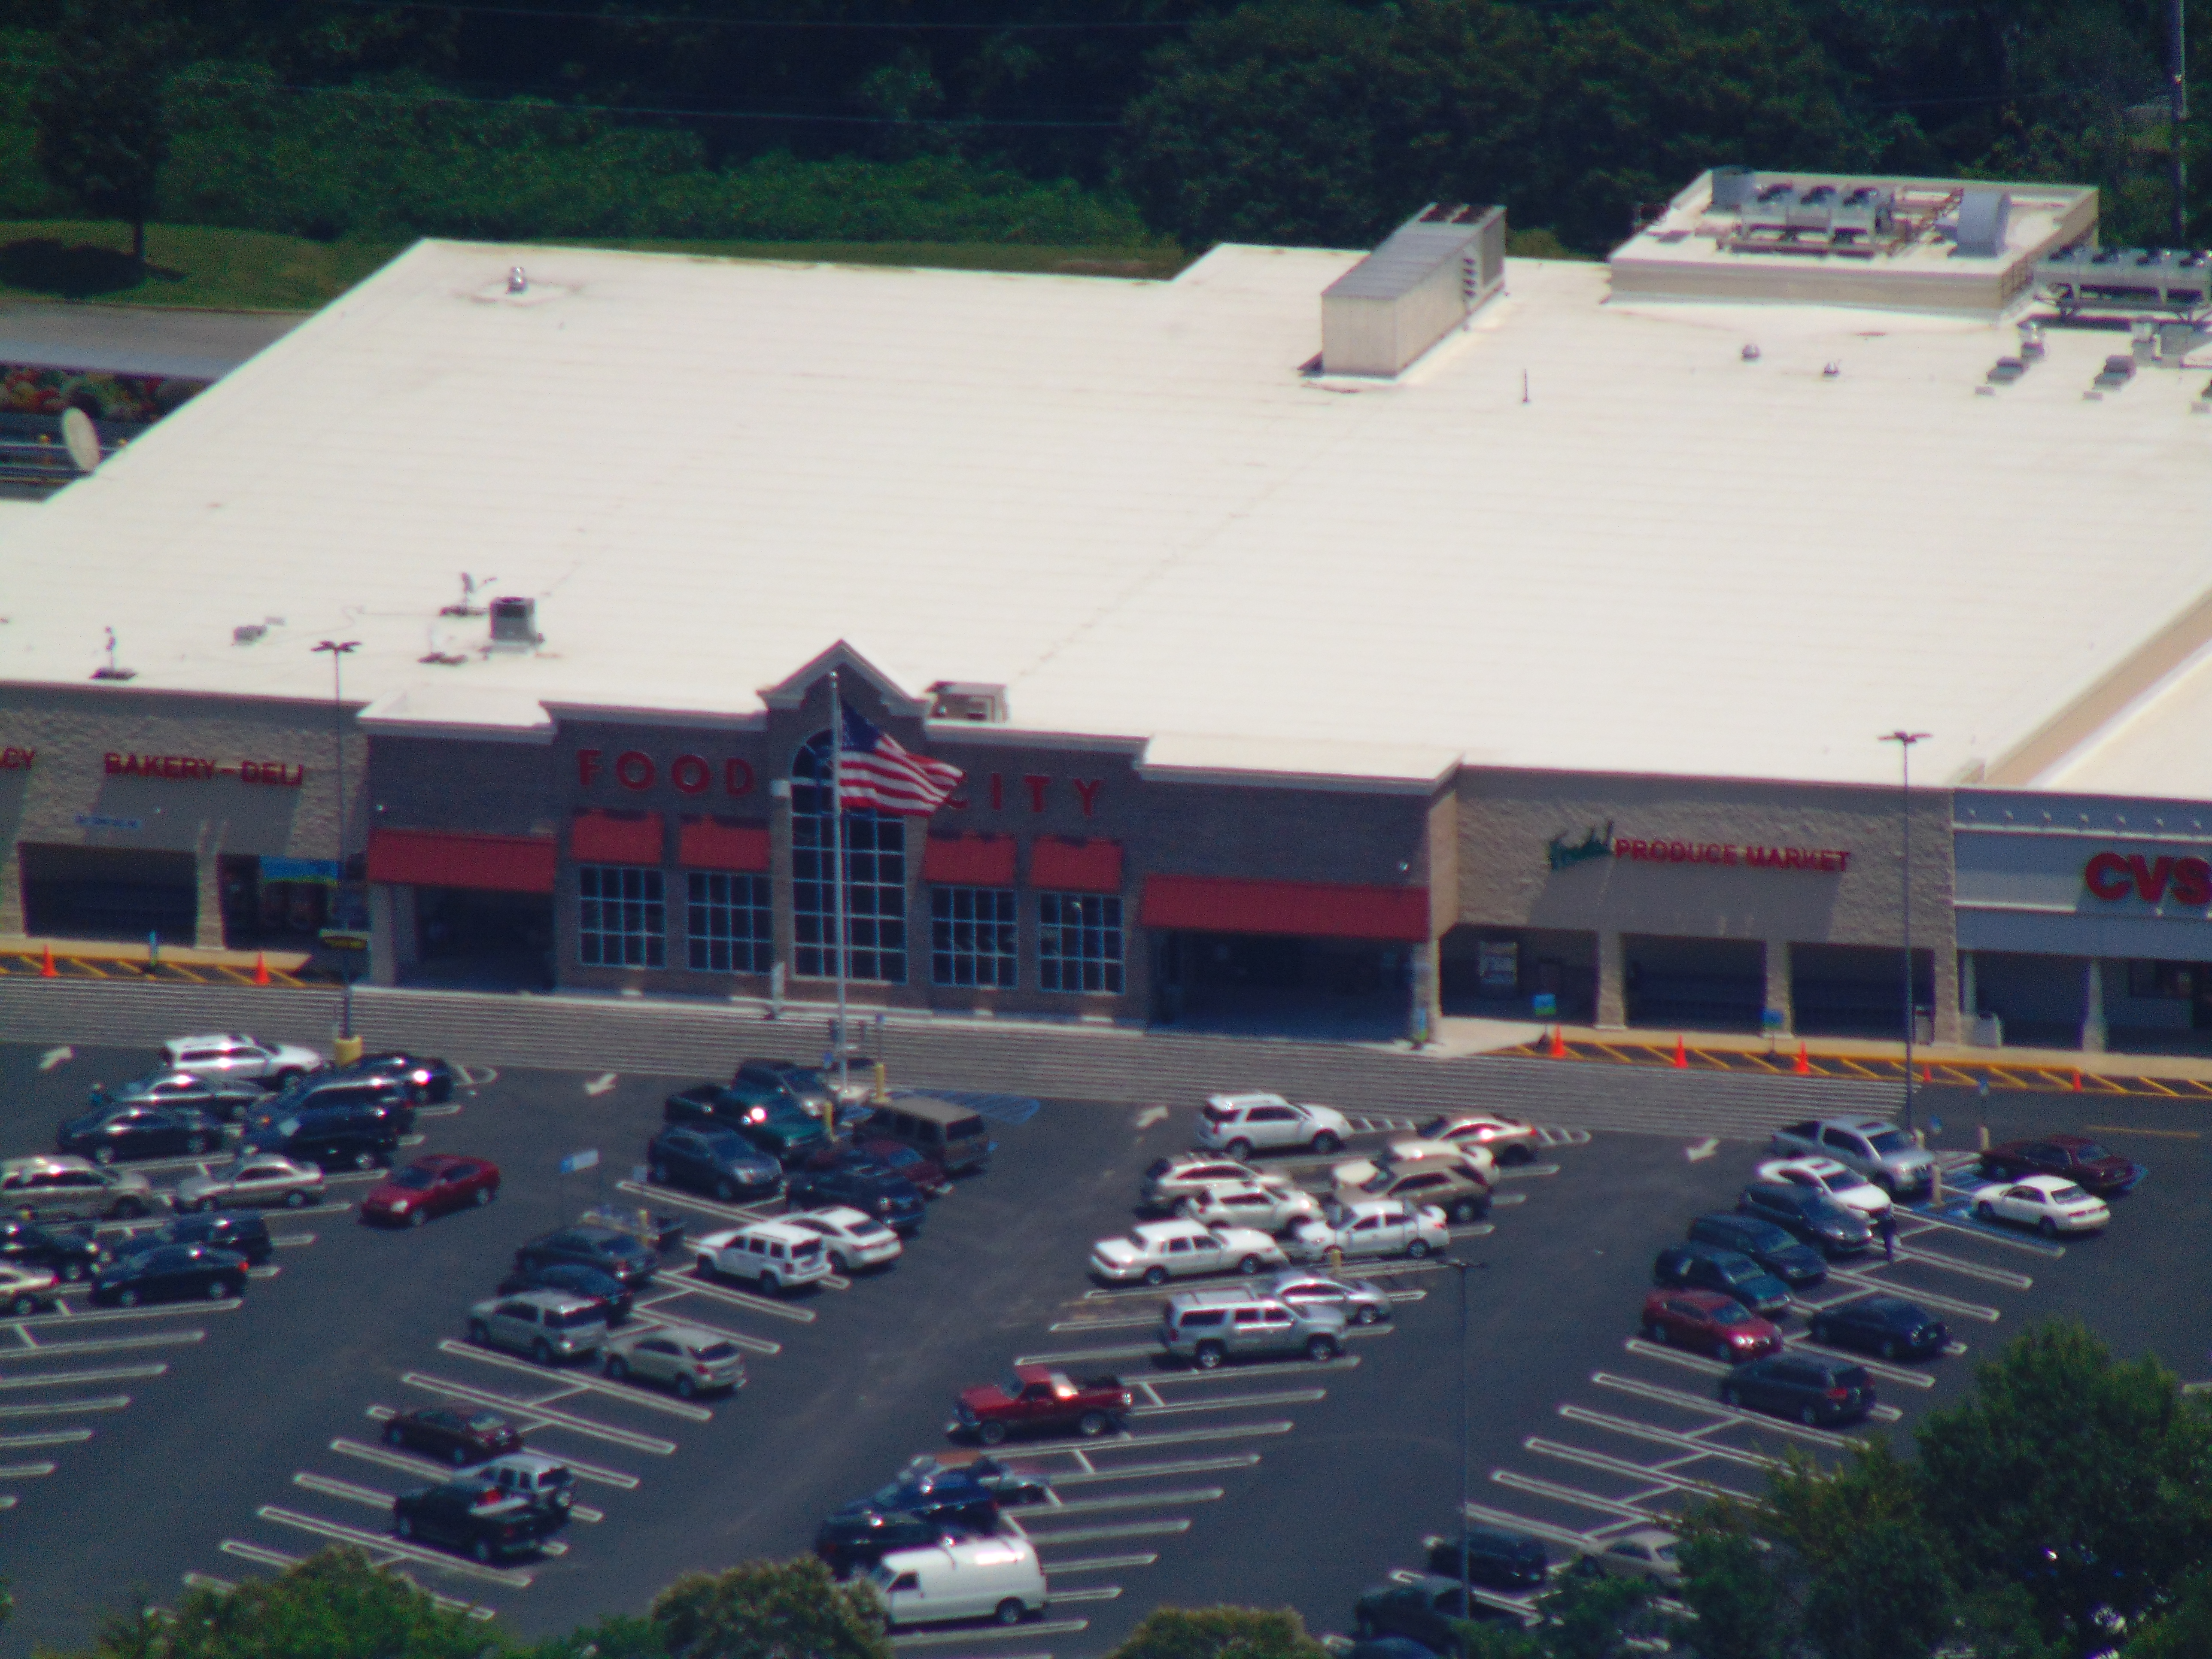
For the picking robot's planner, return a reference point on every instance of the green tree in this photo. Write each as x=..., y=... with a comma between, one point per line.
x=770, y=1610
x=1883, y=1595
x=102, y=133
x=617, y=1635
x=1219, y=1633
x=2086, y=1481
x=1734, y=1584
x=1589, y=1614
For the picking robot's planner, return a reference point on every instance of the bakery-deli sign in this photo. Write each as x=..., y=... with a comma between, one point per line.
x=186, y=769
x=2115, y=876
x=1562, y=853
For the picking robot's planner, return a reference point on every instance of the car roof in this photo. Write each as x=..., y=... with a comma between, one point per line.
x=442, y=1161
x=1161, y=1229
x=842, y=1215
x=2046, y=1183
x=537, y=1461
x=1706, y=1299
x=47, y=1162
x=1253, y=1097
x=555, y=1301
x=1819, y=1166
x=1866, y=1125
x=781, y=1230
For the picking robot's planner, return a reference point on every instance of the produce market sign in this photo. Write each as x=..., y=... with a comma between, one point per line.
x=1560, y=853
x=186, y=769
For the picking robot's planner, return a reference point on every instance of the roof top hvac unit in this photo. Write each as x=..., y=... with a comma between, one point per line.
x=1412, y=291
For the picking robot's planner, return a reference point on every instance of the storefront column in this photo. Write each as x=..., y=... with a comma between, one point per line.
x=2093, y=1006
x=383, y=937
x=1425, y=1009
x=11, y=890
x=207, y=920
x=1612, y=973
x=1945, y=991
x=1778, y=986
x=1970, y=996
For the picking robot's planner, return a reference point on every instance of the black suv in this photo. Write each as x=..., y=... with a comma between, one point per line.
x=1812, y=1218
x=392, y=1095
x=1706, y=1267
x=477, y=1517
x=1798, y=1266
x=618, y=1255
x=74, y=1256
x=1811, y=1390
x=108, y=1135
x=858, y=1536
x=709, y=1158
x=1496, y=1559
x=333, y=1134
x=226, y=1230
x=859, y=1180
x=428, y=1081
x=1426, y=1610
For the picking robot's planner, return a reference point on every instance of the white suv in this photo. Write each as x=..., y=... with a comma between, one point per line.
x=774, y=1255
x=1265, y=1205
x=1240, y=1124
x=233, y=1054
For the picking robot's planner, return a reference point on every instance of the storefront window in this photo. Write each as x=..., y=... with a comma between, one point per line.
x=1078, y=943
x=2162, y=980
x=875, y=880
x=621, y=922
x=971, y=937
x=728, y=924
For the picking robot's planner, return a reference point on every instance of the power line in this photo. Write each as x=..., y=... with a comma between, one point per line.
x=885, y=25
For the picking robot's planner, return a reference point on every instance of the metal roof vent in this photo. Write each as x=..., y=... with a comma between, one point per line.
x=111, y=670
x=1421, y=284
x=514, y=625
x=517, y=281
x=247, y=633
x=967, y=700
x=1982, y=214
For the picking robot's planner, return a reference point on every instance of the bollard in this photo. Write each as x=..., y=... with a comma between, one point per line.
x=1982, y=1143
x=345, y=1051
x=882, y=1096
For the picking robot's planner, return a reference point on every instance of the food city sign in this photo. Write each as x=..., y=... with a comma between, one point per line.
x=1562, y=854
x=2115, y=876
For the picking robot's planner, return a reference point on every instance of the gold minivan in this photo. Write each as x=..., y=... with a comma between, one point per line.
x=952, y=1136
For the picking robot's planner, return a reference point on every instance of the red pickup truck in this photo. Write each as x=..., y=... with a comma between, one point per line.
x=1032, y=1399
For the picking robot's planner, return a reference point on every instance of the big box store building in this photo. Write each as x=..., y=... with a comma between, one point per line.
x=1323, y=640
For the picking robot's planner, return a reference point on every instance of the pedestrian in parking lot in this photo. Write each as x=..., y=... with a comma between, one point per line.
x=1888, y=1226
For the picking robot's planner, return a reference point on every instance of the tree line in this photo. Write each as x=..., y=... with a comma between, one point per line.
x=2062, y=1509
x=1281, y=120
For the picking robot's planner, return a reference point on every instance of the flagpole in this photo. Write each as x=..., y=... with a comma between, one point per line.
x=837, y=860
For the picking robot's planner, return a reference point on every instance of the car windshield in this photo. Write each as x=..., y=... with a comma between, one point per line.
x=622, y=1244
x=1890, y=1142
x=719, y=1350
x=2091, y=1153
x=574, y=1318
x=1010, y=1385
x=415, y=1180
x=487, y=1420
x=1841, y=1181
x=1729, y=1313
x=1215, y=1114
x=2068, y=1194
x=1739, y=1272
x=888, y=1496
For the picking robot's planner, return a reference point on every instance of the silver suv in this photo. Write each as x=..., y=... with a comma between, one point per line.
x=69, y=1188
x=547, y=1325
x=545, y=1481
x=1876, y=1148
x=1209, y=1326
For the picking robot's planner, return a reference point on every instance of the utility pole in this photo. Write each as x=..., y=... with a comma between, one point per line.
x=1904, y=740
x=339, y=649
x=2177, y=94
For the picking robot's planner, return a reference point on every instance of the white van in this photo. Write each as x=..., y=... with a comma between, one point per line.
x=989, y=1578
x=774, y=1255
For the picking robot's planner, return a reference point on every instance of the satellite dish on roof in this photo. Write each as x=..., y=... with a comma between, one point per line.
x=80, y=439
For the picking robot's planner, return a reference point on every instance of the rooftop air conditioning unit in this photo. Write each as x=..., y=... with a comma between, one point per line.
x=514, y=625
x=963, y=700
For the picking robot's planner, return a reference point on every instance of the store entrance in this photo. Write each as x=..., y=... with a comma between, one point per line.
x=1281, y=984
x=467, y=938
x=1703, y=984
x=110, y=893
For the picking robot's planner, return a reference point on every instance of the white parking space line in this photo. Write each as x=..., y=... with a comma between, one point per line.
x=735, y=1214
x=92, y=1374
x=695, y=1284
x=1979, y=1229
x=37, y=1350
x=1228, y=1402
x=1652, y=1391
x=1092, y=1593
x=1526, y=1171
x=1911, y=1379
x=346, y=1489
x=202, y=1581
x=268, y=1272
x=114, y=1316
x=51, y=1437
x=1721, y=1368
x=1136, y=1500
x=1864, y=1283
x=1497, y=1199
x=25, y=1471
x=109, y=1402
x=1689, y=1444
x=54, y=1057
x=1574, y=1496
x=1102, y=1562
x=1020, y=1633
x=1544, y=1529
x=603, y=1084
x=1118, y=1529
x=1136, y=1322
x=542, y=1412
x=581, y=1380
x=582, y=1471
x=260, y=1556
x=345, y=1534
x=1145, y=1471
x=752, y=1344
x=1631, y=1471
x=2004, y=1276
x=291, y=1240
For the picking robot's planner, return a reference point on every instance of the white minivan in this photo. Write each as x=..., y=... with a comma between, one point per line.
x=989, y=1578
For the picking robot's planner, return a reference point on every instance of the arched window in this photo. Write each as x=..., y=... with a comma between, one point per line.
x=875, y=879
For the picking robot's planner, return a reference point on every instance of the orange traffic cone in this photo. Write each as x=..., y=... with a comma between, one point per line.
x=260, y=969
x=2077, y=1079
x=1558, y=1050
x=46, y=968
x=1681, y=1054
x=1927, y=1074
x=1804, y=1067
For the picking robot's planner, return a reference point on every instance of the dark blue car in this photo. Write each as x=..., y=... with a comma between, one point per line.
x=1886, y=1325
x=1707, y=1267
x=1798, y=1266
x=859, y=1180
x=710, y=1158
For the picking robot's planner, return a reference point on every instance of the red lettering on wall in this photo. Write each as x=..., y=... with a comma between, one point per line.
x=587, y=766
x=2192, y=882
x=737, y=776
x=1086, y=793
x=998, y=792
x=2107, y=876
x=2150, y=879
x=633, y=769
x=17, y=760
x=691, y=774
x=1037, y=783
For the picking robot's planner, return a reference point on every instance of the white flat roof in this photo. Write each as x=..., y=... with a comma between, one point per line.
x=1122, y=500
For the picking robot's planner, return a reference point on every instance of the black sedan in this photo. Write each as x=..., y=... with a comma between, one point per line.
x=705, y=1158
x=929, y=1485
x=1709, y=1268
x=168, y=1272
x=616, y=1254
x=1811, y=1389
x=429, y=1081
x=227, y=1098
x=857, y=1180
x=1798, y=1266
x=113, y=1133
x=1886, y=1325
x=576, y=1278
x=1812, y=1218
x=858, y=1535
x=72, y=1256
x=226, y=1230
x=479, y=1518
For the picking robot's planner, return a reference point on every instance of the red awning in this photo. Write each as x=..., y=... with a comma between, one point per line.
x=722, y=844
x=969, y=861
x=437, y=858
x=1313, y=909
x=1075, y=866
x=602, y=837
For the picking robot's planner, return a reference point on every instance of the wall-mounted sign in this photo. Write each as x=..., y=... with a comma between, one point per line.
x=689, y=774
x=2115, y=876
x=324, y=871
x=16, y=760
x=1826, y=860
x=187, y=769
x=1498, y=964
x=101, y=821
x=1563, y=854
x=1036, y=787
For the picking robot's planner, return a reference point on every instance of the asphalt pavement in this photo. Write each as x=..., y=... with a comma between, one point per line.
x=215, y=1443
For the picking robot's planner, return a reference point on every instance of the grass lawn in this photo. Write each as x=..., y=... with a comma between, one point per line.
x=259, y=270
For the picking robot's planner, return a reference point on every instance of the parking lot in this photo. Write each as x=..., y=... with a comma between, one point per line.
x=143, y=1448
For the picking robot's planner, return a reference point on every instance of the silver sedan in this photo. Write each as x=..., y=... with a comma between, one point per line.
x=252, y=1178
x=1360, y=1301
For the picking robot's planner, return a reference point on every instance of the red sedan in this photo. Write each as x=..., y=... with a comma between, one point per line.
x=428, y=1187
x=1705, y=1319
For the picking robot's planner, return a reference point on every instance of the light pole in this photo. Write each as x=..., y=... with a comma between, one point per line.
x=1904, y=740
x=339, y=649
x=1466, y=1441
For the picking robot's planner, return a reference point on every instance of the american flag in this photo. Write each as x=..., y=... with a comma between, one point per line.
x=877, y=772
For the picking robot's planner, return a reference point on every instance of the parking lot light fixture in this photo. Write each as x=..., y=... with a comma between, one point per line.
x=1904, y=740
x=339, y=650
x=1466, y=1441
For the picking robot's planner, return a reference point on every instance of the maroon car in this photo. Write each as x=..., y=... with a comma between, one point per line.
x=428, y=1187
x=902, y=1159
x=2082, y=1162
x=455, y=1438
x=1720, y=1325
x=1032, y=1399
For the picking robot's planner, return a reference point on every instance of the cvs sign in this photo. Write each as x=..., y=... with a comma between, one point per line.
x=2114, y=876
